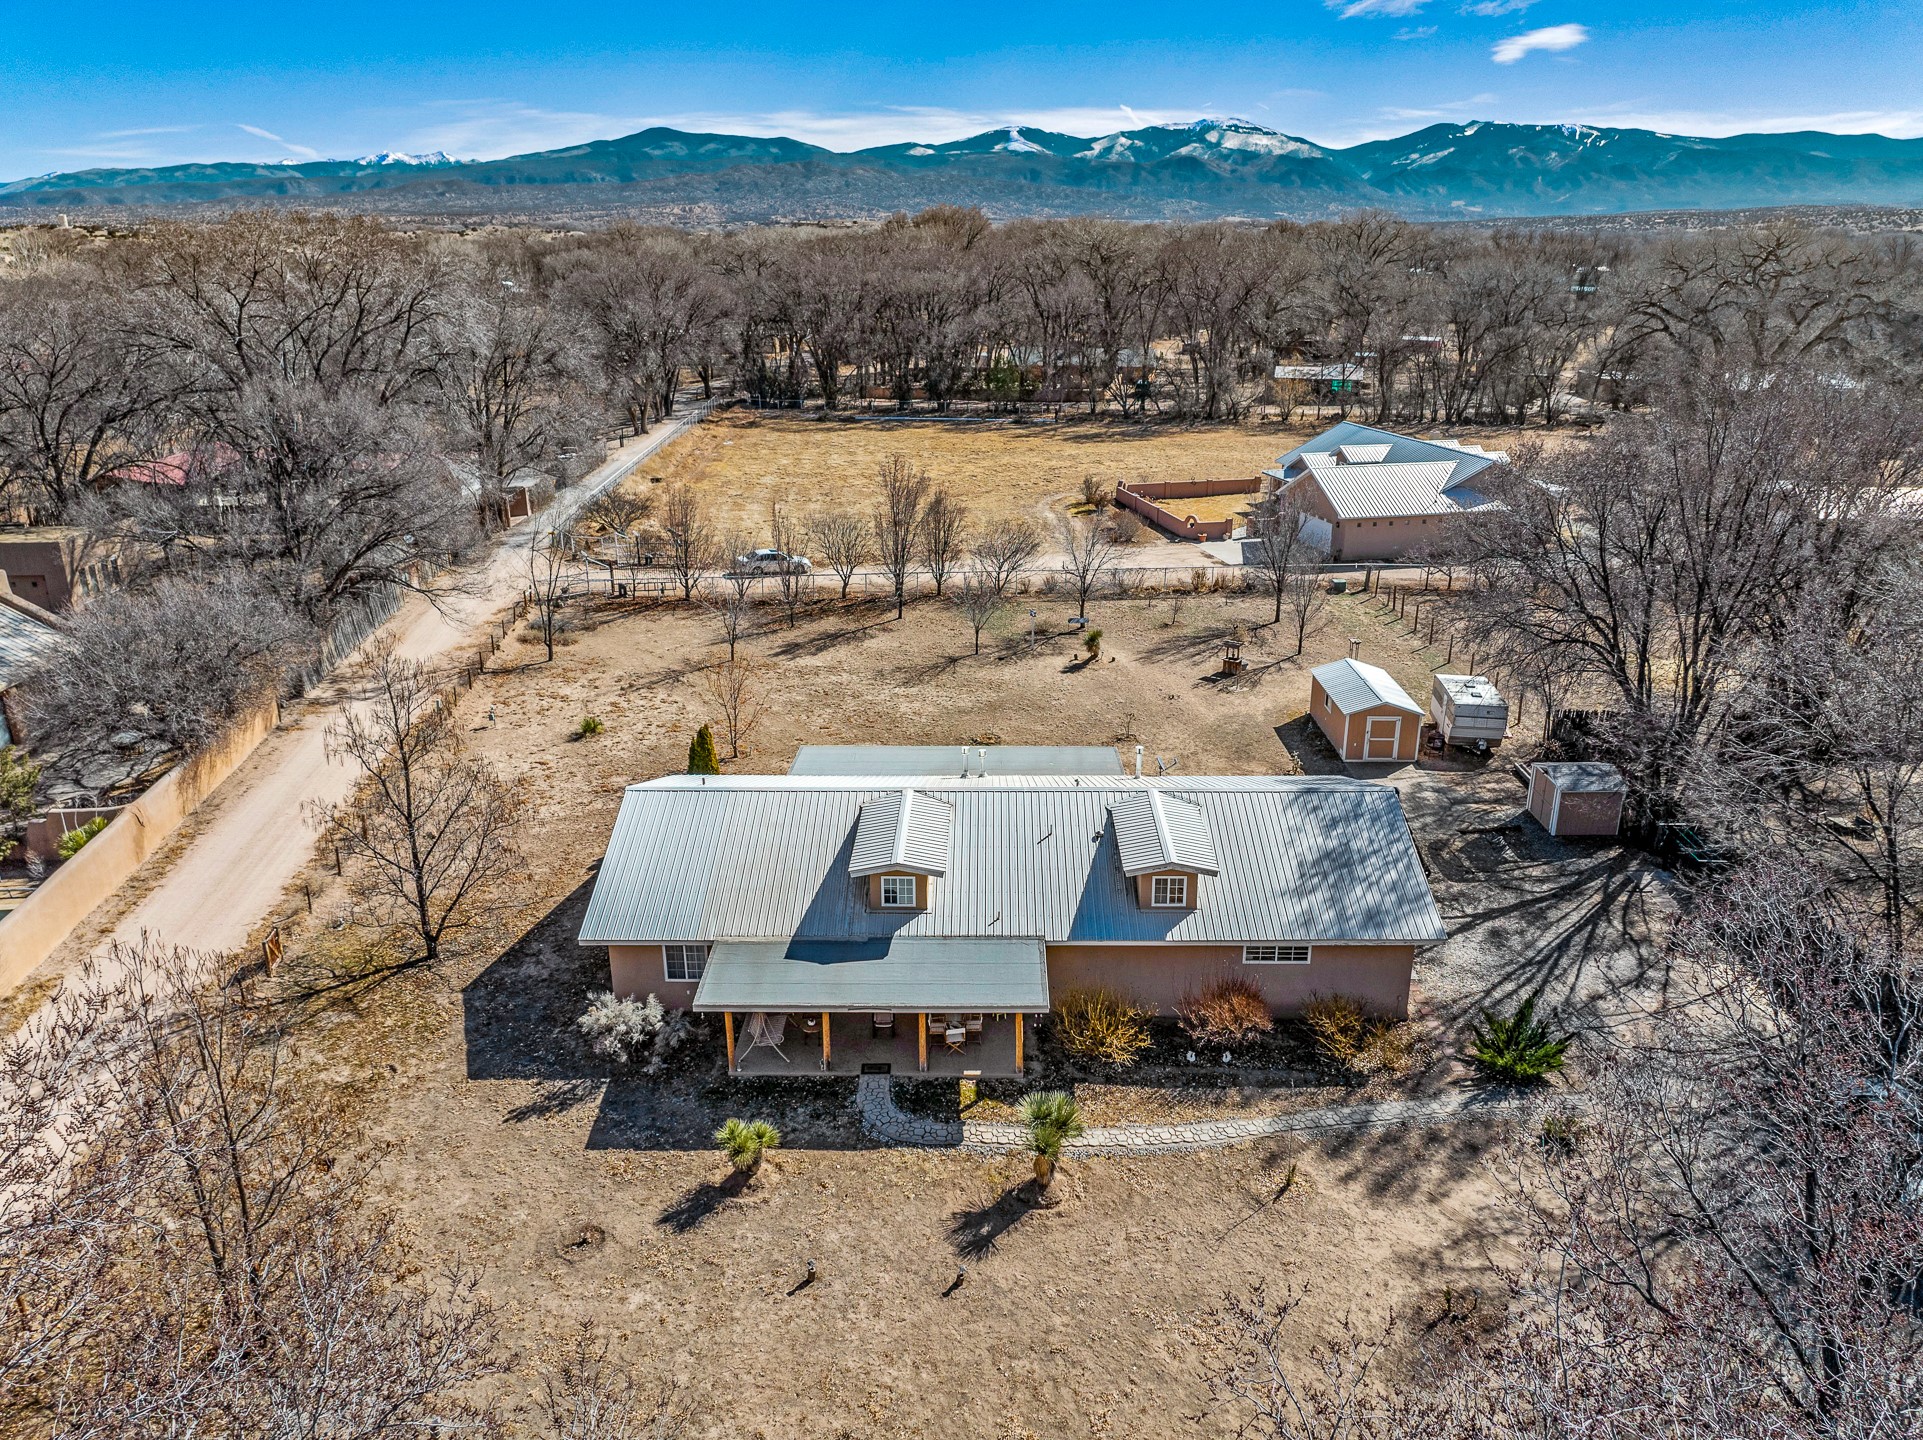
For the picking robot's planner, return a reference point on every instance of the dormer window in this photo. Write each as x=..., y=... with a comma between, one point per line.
x=1169, y=892
x=898, y=892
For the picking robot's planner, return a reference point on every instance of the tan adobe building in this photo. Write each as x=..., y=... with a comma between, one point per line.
x=917, y=915
x=1367, y=716
x=1374, y=495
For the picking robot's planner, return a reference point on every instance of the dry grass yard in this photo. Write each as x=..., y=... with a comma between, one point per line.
x=741, y=460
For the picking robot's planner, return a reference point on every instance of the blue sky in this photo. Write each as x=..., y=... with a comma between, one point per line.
x=153, y=83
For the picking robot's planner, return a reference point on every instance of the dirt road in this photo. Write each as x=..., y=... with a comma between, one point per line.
x=257, y=838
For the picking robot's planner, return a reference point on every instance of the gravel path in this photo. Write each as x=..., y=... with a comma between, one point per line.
x=882, y=1119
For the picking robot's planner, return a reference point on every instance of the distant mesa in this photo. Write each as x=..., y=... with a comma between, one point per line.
x=1212, y=167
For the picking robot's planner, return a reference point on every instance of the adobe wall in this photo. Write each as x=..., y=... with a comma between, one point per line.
x=638, y=971
x=70, y=893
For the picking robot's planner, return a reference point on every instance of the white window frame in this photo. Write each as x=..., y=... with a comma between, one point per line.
x=1178, y=883
x=913, y=888
x=681, y=954
x=1275, y=954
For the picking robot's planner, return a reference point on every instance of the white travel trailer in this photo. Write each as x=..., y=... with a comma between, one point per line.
x=1468, y=710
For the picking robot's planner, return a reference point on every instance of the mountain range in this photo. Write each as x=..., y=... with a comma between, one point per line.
x=1204, y=169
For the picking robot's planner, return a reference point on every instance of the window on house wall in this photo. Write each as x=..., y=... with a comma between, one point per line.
x=686, y=962
x=1169, y=891
x=898, y=892
x=1275, y=954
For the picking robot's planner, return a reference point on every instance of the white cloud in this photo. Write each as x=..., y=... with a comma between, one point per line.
x=1414, y=32
x=289, y=145
x=1351, y=9
x=1551, y=38
x=1496, y=7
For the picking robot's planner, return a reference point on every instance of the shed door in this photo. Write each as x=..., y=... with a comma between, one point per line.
x=1383, y=738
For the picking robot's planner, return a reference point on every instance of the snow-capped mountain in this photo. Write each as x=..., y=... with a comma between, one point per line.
x=396, y=157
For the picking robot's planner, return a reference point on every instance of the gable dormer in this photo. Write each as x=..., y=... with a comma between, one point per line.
x=1166, y=848
x=901, y=847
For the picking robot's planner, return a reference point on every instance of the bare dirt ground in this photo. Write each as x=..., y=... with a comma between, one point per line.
x=577, y=1193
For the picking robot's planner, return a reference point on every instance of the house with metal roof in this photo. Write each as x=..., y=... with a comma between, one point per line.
x=836, y=921
x=1375, y=495
x=28, y=635
x=1368, y=717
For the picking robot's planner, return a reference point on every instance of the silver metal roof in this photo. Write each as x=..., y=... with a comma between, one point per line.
x=902, y=830
x=24, y=643
x=1357, y=685
x=950, y=760
x=768, y=857
x=887, y=973
x=1368, y=473
x=1582, y=777
x=1158, y=831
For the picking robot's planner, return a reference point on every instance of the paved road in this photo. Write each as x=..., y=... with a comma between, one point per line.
x=256, y=837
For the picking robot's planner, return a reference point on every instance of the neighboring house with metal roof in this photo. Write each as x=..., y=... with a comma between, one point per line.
x=1367, y=716
x=834, y=903
x=1375, y=495
x=28, y=634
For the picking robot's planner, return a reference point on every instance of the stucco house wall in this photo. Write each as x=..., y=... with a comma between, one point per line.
x=638, y=971
x=1160, y=975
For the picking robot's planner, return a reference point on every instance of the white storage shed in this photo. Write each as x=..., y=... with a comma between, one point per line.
x=1467, y=709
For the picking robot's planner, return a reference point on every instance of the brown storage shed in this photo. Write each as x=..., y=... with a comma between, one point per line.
x=1367, y=716
x=1577, y=797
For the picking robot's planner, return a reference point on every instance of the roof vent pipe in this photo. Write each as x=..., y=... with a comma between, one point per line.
x=1138, y=762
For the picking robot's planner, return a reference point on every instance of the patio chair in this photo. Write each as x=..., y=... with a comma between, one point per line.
x=937, y=1023
x=972, y=1024
x=884, y=1023
x=956, y=1037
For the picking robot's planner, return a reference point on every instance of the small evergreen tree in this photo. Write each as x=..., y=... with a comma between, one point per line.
x=701, y=757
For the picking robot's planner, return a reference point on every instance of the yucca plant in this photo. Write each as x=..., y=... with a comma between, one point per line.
x=746, y=1142
x=590, y=725
x=1521, y=1049
x=1053, y=1118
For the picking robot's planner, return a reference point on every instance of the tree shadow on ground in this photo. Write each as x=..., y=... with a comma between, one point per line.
x=1309, y=747
x=693, y=1209
x=975, y=1233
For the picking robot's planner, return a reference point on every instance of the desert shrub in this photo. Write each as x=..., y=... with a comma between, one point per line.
x=1126, y=527
x=74, y=841
x=746, y=1142
x=1095, y=494
x=1350, y=1038
x=590, y=725
x=626, y=1030
x=1102, y=1025
x=1521, y=1049
x=1560, y=1135
x=1226, y=1011
x=1053, y=1118
x=1092, y=642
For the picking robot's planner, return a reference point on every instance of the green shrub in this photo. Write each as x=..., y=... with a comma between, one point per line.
x=702, y=759
x=1092, y=642
x=1102, y=1025
x=590, y=725
x=1560, y=1135
x=1350, y=1038
x=74, y=841
x=1053, y=1118
x=1520, y=1050
x=746, y=1142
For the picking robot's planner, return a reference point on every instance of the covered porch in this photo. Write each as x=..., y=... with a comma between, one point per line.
x=943, y=1007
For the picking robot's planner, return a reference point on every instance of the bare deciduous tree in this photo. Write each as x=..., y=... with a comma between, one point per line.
x=693, y=548
x=898, y=522
x=1089, y=552
x=547, y=587
x=430, y=828
x=978, y=599
x=944, y=524
x=737, y=689
x=791, y=584
x=1005, y=549
x=846, y=542
x=1279, y=552
x=733, y=605
x=587, y=1395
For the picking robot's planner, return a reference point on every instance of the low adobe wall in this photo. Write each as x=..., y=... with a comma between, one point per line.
x=1141, y=495
x=47, y=917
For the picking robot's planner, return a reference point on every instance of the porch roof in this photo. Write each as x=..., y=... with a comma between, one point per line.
x=907, y=973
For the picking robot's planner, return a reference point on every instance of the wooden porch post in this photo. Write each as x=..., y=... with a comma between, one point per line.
x=1018, y=1041
x=824, y=1039
x=727, y=1026
x=921, y=1035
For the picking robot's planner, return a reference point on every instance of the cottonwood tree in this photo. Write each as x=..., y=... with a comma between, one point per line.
x=737, y=689
x=429, y=830
x=1089, y=552
x=898, y=522
x=693, y=547
x=845, y=541
x=179, y=659
x=943, y=532
x=188, y=1240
